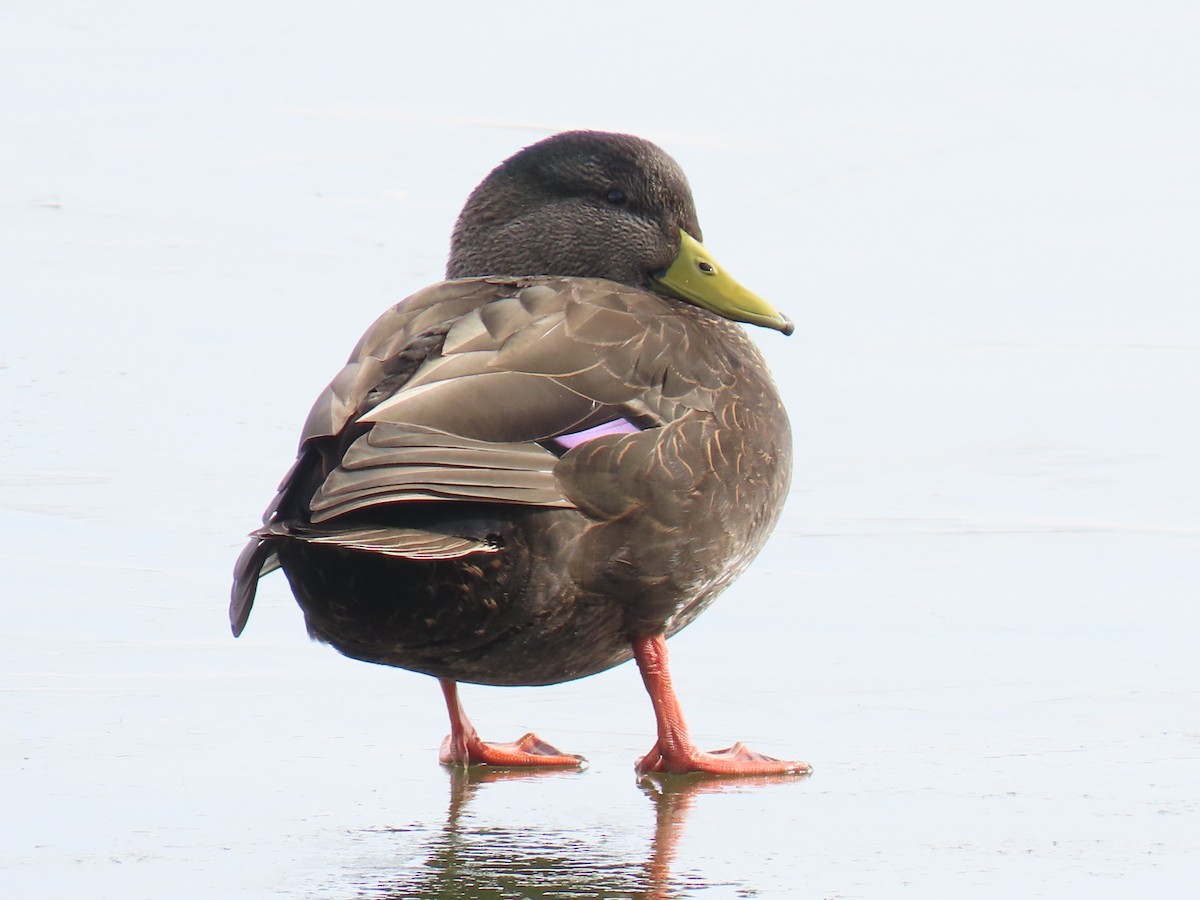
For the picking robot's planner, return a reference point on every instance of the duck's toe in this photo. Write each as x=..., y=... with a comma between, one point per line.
x=525, y=752
x=736, y=760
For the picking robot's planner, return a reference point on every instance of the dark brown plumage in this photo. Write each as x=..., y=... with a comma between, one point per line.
x=458, y=508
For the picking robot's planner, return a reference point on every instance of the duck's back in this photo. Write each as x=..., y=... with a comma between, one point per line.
x=512, y=476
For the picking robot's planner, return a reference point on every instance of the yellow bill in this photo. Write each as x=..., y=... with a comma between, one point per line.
x=696, y=277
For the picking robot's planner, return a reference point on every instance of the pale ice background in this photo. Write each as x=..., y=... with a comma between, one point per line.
x=978, y=618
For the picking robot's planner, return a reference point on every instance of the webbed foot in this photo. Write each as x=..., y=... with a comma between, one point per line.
x=736, y=760
x=529, y=750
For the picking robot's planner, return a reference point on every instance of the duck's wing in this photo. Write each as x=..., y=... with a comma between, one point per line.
x=477, y=418
x=469, y=391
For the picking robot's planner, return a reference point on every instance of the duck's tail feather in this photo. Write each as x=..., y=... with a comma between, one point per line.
x=405, y=543
x=256, y=560
x=260, y=557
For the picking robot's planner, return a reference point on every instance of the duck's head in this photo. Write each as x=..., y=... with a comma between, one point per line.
x=599, y=205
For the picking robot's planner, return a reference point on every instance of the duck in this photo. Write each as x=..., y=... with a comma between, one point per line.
x=548, y=463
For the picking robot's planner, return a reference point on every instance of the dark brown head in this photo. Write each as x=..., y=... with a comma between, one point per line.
x=581, y=203
x=599, y=205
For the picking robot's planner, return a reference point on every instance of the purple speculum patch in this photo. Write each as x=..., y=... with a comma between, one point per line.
x=575, y=438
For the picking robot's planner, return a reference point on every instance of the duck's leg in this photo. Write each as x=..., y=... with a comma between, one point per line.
x=462, y=747
x=674, y=752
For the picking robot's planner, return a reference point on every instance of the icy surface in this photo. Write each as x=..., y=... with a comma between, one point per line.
x=978, y=619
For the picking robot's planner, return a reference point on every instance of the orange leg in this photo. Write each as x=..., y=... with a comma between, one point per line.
x=674, y=752
x=462, y=747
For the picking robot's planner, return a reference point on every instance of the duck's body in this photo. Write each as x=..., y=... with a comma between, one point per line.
x=526, y=480
x=506, y=558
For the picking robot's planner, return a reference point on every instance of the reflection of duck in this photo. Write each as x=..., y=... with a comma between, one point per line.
x=673, y=797
x=470, y=858
x=524, y=478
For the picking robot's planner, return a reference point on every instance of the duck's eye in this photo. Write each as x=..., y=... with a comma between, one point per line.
x=616, y=197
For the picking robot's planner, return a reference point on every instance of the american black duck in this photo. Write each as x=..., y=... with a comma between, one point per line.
x=550, y=462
